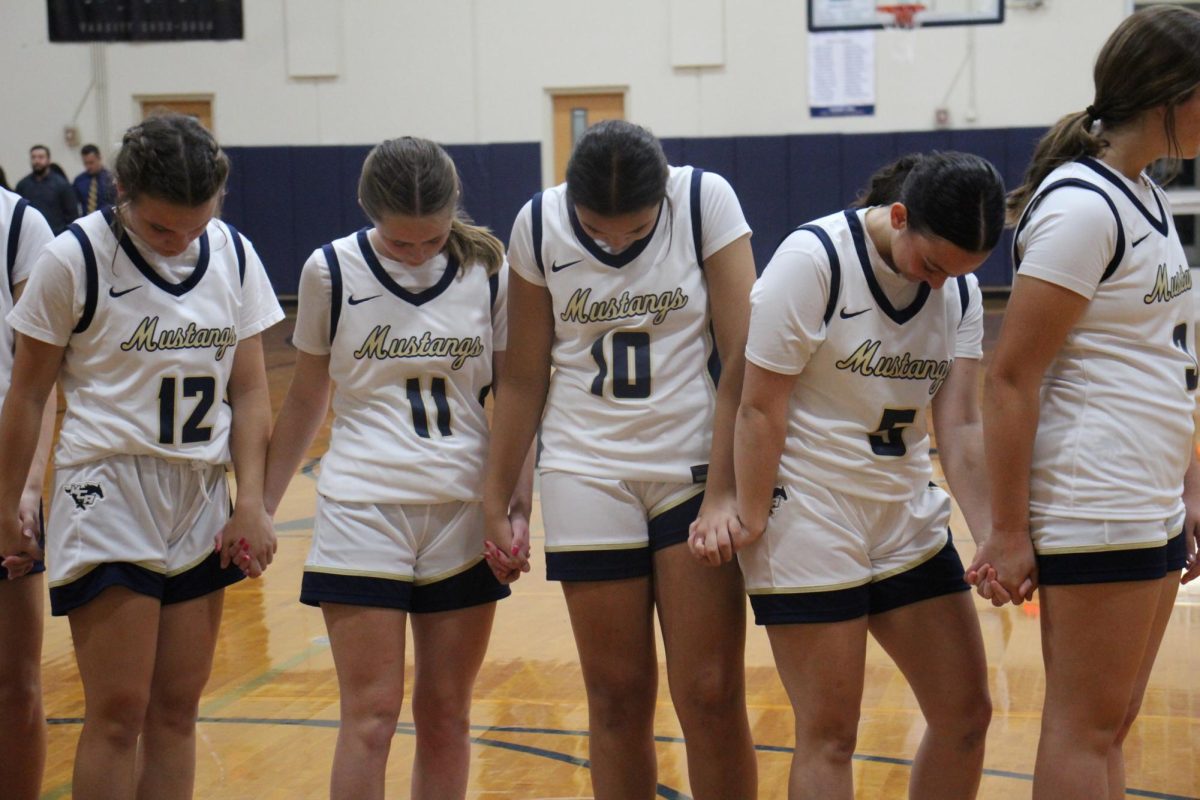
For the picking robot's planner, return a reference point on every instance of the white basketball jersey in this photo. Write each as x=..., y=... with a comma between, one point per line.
x=633, y=387
x=866, y=370
x=23, y=234
x=147, y=359
x=1115, y=422
x=411, y=367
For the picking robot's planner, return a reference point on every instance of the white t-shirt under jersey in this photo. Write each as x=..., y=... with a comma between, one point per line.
x=35, y=234
x=631, y=396
x=1115, y=421
x=857, y=413
x=149, y=375
x=411, y=361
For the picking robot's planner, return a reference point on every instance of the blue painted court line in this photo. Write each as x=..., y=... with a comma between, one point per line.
x=665, y=792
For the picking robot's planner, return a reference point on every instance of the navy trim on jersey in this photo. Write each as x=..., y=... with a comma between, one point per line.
x=535, y=220
x=335, y=289
x=1162, y=224
x=14, y=237
x=240, y=249
x=177, y=289
x=1113, y=566
x=615, y=260
x=835, y=267
x=899, y=316
x=697, y=236
x=414, y=298
x=91, y=277
x=1078, y=183
x=964, y=298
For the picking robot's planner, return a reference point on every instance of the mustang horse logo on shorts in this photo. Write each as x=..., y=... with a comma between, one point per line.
x=778, y=495
x=85, y=495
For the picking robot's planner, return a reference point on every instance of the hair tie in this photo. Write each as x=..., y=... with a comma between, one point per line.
x=1093, y=113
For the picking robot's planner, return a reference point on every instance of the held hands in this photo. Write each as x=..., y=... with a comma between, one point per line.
x=717, y=533
x=19, y=545
x=506, y=545
x=247, y=540
x=1004, y=569
x=1191, y=533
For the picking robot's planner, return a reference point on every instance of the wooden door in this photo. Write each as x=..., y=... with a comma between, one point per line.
x=573, y=114
x=200, y=108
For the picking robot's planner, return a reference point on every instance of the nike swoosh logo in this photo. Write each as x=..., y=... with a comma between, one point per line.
x=356, y=300
x=112, y=292
x=1139, y=241
x=557, y=267
x=844, y=315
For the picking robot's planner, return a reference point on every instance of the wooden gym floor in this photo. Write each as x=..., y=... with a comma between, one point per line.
x=268, y=719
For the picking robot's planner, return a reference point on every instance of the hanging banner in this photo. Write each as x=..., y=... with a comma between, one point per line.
x=841, y=74
x=143, y=20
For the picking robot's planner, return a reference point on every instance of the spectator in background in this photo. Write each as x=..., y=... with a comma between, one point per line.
x=94, y=186
x=49, y=193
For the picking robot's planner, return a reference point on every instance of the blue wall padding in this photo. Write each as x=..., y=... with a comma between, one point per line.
x=291, y=200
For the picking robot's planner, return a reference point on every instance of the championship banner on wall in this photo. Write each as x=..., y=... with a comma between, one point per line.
x=143, y=20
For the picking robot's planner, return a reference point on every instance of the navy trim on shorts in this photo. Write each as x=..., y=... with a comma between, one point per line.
x=472, y=587
x=70, y=596
x=355, y=590
x=671, y=527
x=940, y=575
x=204, y=578
x=1113, y=566
x=665, y=530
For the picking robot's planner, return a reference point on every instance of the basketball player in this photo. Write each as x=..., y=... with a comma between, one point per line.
x=409, y=320
x=23, y=232
x=1088, y=413
x=629, y=279
x=149, y=314
x=862, y=321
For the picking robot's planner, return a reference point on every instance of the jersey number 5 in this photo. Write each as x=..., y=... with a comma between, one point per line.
x=204, y=387
x=630, y=365
x=889, y=439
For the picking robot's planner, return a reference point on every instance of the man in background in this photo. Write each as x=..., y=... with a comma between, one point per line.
x=49, y=193
x=94, y=186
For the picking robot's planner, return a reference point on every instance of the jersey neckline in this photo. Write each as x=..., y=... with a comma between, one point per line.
x=899, y=316
x=616, y=260
x=381, y=275
x=1162, y=224
x=148, y=271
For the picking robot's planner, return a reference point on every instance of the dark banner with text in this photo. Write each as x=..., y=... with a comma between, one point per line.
x=143, y=20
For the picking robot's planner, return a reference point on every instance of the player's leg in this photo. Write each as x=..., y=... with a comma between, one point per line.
x=22, y=722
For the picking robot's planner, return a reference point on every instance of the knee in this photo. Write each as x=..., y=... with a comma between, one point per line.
x=831, y=740
x=441, y=720
x=621, y=703
x=709, y=693
x=966, y=722
x=21, y=696
x=373, y=725
x=119, y=716
x=174, y=713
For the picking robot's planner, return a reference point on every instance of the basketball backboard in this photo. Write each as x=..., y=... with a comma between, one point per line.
x=855, y=15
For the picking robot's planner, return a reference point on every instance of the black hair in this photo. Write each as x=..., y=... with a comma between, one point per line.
x=958, y=197
x=40, y=147
x=617, y=168
x=89, y=150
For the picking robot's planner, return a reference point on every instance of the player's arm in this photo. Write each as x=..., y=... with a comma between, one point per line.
x=1036, y=323
x=299, y=419
x=525, y=381
x=958, y=425
x=758, y=443
x=730, y=274
x=249, y=538
x=1191, y=520
x=520, y=504
x=22, y=422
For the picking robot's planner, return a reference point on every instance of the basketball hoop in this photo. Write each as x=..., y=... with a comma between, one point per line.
x=903, y=15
